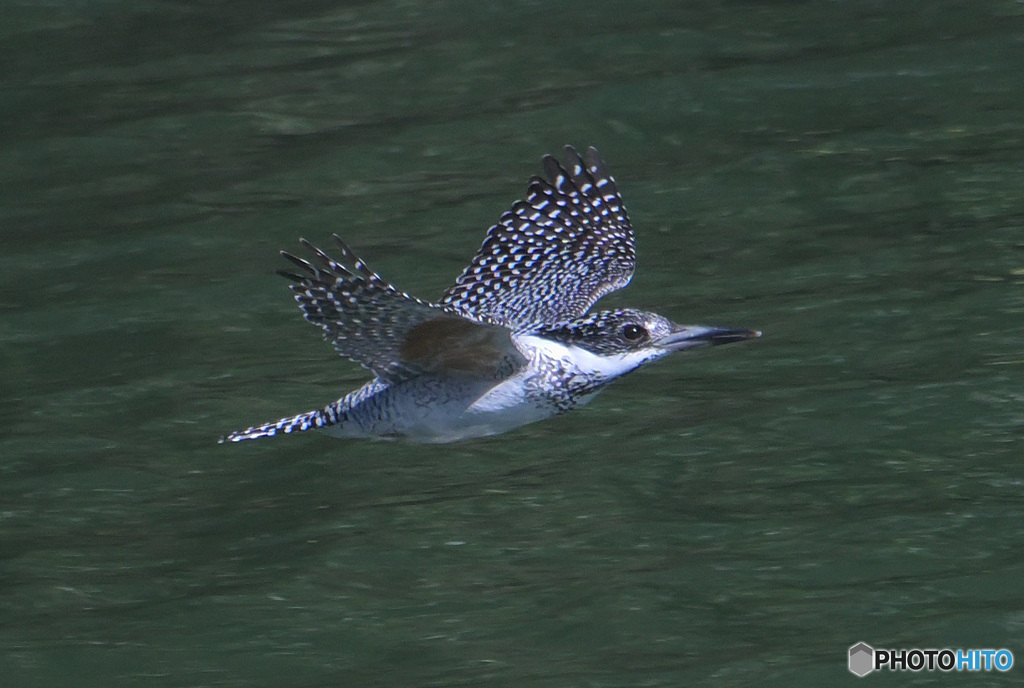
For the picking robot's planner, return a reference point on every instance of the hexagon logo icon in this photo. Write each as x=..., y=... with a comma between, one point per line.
x=862, y=659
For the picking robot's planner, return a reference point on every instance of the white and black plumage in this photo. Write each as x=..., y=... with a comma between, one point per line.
x=511, y=342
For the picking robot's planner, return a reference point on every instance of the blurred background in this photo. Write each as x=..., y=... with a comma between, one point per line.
x=845, y=176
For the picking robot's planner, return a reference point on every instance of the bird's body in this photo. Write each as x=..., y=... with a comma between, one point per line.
x=511, y=342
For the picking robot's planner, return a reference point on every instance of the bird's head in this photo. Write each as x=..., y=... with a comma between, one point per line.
x=613, y=343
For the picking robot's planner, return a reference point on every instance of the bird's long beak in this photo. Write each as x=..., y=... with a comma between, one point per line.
x=689, y=336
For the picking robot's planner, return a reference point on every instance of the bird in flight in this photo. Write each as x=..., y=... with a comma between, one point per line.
x=512, y=342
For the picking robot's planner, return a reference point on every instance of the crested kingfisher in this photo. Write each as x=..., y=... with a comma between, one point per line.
x=511, y=342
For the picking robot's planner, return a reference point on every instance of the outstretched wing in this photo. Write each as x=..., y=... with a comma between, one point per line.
x=553, y=255
x=391, y=333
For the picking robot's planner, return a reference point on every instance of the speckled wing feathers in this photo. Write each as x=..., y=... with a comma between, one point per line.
x=391, y=333
x=553, y=255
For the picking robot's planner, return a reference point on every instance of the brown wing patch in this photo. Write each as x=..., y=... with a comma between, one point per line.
x=456, y=345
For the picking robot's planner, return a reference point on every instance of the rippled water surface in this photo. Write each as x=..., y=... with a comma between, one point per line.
x=846, y=176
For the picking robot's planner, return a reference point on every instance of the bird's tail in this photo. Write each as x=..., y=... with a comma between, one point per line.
x=311, y=420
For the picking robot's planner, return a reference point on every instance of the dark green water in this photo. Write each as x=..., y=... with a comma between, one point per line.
x=846, y=176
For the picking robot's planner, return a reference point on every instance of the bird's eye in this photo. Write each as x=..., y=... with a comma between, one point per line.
x=633, y=332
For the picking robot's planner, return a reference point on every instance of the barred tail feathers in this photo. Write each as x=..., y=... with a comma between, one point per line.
x=311, y=420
